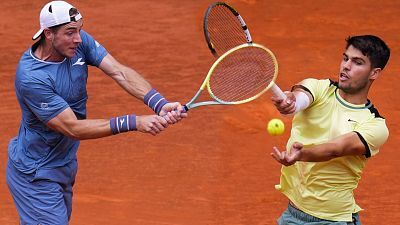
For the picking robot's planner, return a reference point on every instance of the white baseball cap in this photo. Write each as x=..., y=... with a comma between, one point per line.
x=55, y=13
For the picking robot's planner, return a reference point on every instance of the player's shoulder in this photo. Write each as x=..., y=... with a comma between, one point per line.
x=374, y=111
x=320, y=89
x=86, y=37
x=83, y=33
x=319, y=82
x=88, y=41
x=30, y=67
x=31, y=73
x=27, y=79
x=314, y=84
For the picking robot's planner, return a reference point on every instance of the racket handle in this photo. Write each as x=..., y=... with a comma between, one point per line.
x=277, y=92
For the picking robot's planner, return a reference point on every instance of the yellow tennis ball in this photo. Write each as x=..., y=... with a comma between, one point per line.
x=275, y=127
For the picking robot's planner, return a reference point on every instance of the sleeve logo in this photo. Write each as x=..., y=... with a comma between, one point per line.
x=44, y=105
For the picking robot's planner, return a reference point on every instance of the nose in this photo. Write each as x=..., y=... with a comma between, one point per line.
x=77, y=38
x=347, y=64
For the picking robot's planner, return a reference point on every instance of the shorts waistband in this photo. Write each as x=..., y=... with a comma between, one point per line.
x=297, y=213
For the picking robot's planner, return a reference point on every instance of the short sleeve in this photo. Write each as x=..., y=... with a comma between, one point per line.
x=317, y=88
x=373, y=133
x=40, y=97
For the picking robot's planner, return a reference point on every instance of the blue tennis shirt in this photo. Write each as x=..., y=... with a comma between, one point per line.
x=45, y=89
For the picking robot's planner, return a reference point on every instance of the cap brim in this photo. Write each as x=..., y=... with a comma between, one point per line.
x=37, y=34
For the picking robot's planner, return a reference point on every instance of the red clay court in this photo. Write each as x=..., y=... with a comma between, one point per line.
x=213, y=168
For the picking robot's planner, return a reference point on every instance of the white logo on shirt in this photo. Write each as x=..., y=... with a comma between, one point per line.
x=78, y=62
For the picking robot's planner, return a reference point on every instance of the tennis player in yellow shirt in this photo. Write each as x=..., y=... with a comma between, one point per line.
x=335, y=130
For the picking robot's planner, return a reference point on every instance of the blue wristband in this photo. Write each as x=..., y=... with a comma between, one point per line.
x=155, y=100
x=122, y=124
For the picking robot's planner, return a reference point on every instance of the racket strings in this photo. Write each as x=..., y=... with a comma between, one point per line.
x=243, y=74
x=225, y=30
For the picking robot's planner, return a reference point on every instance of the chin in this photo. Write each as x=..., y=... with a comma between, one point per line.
x=70, y=55
x=341, y=86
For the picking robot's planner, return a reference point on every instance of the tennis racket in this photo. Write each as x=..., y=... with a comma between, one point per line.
x=225, y=29
x=240, y=75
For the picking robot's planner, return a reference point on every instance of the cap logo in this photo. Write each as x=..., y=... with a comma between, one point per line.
x=73, y=12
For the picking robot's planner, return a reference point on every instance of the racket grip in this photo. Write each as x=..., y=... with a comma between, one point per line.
x=277, y=92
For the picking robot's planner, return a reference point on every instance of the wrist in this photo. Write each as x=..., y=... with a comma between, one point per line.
x=123, y=124
x=302, y=101
x=155, y=100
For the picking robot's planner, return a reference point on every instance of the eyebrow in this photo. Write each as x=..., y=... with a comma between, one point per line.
x=75, y=27
x=354, y=58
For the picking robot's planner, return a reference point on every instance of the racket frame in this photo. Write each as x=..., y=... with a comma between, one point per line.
x=206, y=82
x=235, y=13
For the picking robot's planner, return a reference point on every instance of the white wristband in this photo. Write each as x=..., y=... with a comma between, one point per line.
x=302, y=101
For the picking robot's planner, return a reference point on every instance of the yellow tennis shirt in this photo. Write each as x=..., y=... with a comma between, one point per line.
x=325, y=189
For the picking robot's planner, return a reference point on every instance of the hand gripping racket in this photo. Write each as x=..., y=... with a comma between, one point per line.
x=240, y=75
x=225, y=29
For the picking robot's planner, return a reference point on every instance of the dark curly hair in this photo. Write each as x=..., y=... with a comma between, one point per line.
x=371, y=46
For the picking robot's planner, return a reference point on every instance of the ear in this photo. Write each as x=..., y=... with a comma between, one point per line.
x=374, y=74
x=48, y=34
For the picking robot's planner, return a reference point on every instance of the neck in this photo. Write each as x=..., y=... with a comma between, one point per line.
x=46, y=52
x=355, y=98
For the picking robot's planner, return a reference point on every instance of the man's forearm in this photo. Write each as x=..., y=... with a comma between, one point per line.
x=319, y=153
x=132, y=82
x=346, y=144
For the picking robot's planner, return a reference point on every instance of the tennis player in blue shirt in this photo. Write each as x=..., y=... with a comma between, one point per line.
x=50, y=85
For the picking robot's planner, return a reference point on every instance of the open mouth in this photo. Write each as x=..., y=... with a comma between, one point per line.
x=343, y=77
